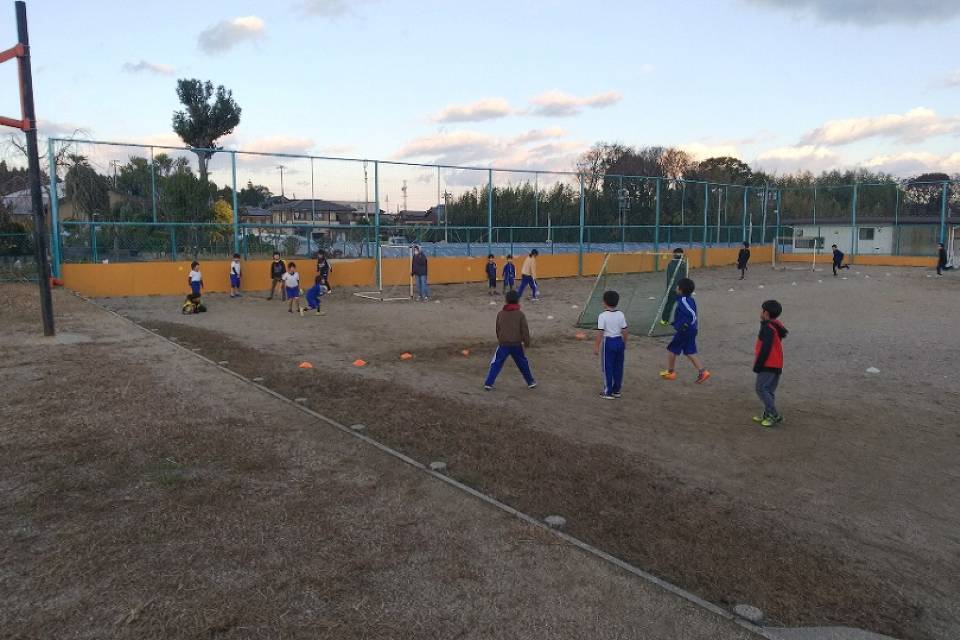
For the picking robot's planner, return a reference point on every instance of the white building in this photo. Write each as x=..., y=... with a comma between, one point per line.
x=914, y=235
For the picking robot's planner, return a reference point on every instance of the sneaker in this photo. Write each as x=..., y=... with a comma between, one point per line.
x=664, y=323
x=289, y=310
x=668, y=375
x=321, y=313
x=617, y=394
x=606, y=396
x=769, y=421
x=488, y=387
x=532, y=385
x=703, y=377
x=759, y=419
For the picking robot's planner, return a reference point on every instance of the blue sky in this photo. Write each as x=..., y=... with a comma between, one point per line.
x=785, y=85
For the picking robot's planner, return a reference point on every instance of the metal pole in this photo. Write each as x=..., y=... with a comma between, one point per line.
x=536, y=199
x=54, y=210
x=153, y=186
x=776, y=239
x=583, y=215
x=706, y=213
x=489, y=211
x=743, y=218
x=763, y=214
x=853, y=214
x=896, y=215
x=656, y=228
x=33, y=168
x=377, y=280
x=236, y=210
x=943, y=212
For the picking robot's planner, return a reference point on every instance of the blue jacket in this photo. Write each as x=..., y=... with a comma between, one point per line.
x=837, y=256
x=685, y=316
x=491, y=269
x=509, y=272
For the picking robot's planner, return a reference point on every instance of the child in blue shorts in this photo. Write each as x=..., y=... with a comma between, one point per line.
x=686, y=325
x=195, y=279
x=235, y=276
x=291, y=283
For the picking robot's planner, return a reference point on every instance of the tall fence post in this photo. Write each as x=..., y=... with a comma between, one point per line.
x=656, y=228
x=853, y=220
x=54, y=211
x=377, y=279
x=173, y=242
x=489, y=211
x=153, y=186
x=706, y=214
x=743, y=217
x=896, y=217
x=236, y=210
x=943, y=212
x=583, y=217
x=776, y=237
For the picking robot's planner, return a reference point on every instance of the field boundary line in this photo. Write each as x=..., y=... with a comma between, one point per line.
x=490, y=500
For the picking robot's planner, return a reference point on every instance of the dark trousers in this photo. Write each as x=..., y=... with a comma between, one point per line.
x=611, y=363
x=503, y=352
x=767, y=382
x=838, y=265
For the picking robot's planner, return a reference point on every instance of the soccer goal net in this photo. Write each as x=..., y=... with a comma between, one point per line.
x=398, y=260
x=647, y=296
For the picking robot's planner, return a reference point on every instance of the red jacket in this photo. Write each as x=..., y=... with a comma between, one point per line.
x=768, y=351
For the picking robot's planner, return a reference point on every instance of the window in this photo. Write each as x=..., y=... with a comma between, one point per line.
x=809, y=243
x=866, y=233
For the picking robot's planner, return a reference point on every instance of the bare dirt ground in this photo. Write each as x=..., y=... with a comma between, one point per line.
x=846, y=514
x=148, y=494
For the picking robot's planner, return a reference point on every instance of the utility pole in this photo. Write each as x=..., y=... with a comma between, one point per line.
x=281, y=168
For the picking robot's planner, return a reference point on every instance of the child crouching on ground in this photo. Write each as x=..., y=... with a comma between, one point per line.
x=768, y=361
x=513, y=336
x=313, y=294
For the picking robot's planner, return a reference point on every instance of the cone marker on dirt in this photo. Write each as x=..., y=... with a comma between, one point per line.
x=358, y=427
x=406, y=355
x=793, y=284
x=438, y=466
x=465, y=352
x=492, y=303
x=580, y=335
x=873, y=370
x=731, y=290
x=759, y=286
x=748, y=613
x=258, y=380
x=305, y=365
x=820, y=281
x=359, y=363
x=555, y=522
x=573, y=306
x=549, y=317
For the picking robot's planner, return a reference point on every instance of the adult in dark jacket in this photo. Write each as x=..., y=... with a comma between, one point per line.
x=418, y=269
x=942, y=259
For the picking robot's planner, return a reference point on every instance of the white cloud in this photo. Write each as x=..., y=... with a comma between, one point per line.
x=486, y=109
x=226, y=34
x=148, y=67
x=53, y=129
x=913, y=126
x=798, y=158
x=703, y=150
x=520, y=151
x=870, y=12
x=951, y=80
x=914, y=162
x=557, y=104
x=338, y=149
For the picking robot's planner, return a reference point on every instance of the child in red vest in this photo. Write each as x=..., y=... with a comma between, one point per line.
x=768, y=361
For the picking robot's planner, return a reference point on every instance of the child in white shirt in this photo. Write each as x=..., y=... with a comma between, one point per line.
x=291, y=281
x=611, y=345
x=235, y=276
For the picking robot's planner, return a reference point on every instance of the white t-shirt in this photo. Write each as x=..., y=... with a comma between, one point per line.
x=291, y=280
x=195, y=276
x=235, y=267
x=612, y=323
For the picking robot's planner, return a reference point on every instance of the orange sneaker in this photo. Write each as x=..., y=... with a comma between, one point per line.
x=703, y=377
x=668, y=375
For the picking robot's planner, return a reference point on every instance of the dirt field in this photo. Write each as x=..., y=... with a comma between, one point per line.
x=844, y=515
x=147, y=494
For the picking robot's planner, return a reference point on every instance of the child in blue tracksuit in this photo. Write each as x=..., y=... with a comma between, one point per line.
x=611, y=345
x=686, y=324
x=491, y=275
x=838, y=260
x=313, y=294
x=509, y=274
x=513, y=336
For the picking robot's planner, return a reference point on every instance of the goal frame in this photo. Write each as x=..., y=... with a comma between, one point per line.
x=649, y=331
x=378, y=295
